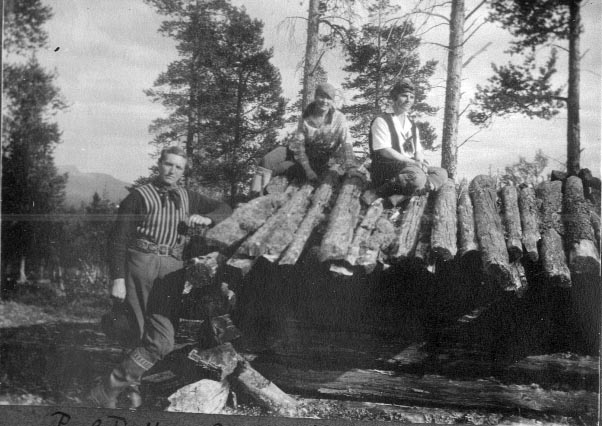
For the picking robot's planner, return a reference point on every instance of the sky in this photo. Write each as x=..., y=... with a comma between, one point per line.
x=105, y=53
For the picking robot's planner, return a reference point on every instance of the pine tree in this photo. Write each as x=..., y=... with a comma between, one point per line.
x=527, y=88
x=378, y=55
x=32, y=191
x=223, y=94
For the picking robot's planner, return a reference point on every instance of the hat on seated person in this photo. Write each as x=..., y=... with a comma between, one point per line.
x=326, y=89
x=402, y=86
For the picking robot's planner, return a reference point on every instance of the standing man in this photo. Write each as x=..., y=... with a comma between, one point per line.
x=147, y=267
x=398, y=168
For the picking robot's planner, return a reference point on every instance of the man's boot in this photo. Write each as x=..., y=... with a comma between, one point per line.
x=123, y=377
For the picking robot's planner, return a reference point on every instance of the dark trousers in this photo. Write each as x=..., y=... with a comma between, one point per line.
x=154, y=287
x=396, y=177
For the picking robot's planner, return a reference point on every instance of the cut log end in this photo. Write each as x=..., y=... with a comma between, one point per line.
x=584, y=258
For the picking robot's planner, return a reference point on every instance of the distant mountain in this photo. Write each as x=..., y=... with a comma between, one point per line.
x=82, y=186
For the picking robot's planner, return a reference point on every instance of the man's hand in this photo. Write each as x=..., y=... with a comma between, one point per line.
x=310, y=174
x=118, y=289
x=197, y=219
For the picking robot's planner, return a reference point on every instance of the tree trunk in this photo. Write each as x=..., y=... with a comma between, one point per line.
x=311, y=53
x=381, y=239
x=408, y=232
x=466, y=232
x=343, y=220
x=278, y=231
x=580, y=239
x=449, y=137
x=512, y=222
x=444, y=231
x=528, y=217
x=573, y=125
x=490, y=233
x=245, y=220
x=362, y=233
x=553, y=258
x=314, y=216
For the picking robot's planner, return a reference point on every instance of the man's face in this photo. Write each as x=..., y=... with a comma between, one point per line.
x=403, y=102
x=171, y=169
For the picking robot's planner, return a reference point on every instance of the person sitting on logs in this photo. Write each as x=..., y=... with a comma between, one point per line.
x=398, y=168
x=321, y=142
x=147, y=267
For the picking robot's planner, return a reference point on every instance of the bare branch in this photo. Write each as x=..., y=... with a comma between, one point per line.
x=477, y=7
x=446, y=47
x=481, y=50
x=435, y=15
x=469, y=139
x=473, y=33
x=560, y=47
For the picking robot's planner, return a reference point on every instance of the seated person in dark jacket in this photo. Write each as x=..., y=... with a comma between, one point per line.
x=398, y=168
x=147, y=266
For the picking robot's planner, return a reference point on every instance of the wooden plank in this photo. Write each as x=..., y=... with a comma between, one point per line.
x=444, y=231
x=490, y=235
x=527, y=204
x=512, y=224
x=343, y=220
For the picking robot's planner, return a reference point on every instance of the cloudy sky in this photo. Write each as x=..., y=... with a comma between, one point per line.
x=107, y=52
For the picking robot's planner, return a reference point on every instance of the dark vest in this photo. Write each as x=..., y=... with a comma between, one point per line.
x=394, y=137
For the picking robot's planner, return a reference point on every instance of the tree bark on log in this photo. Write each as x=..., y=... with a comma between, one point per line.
x=595, y=220
x=379, y=241
x=315, y=214
x=408, y=232
x=429, y=390
x=467, y=237
x=512, y=224
x=264, y=392
x=362, y=233
x=553, y=258
x=489, y=231
x=519, y=277
x=579, y=235
x=343, y=219
x=245, y=220
x=444, y=230
x=528, y=216
x=277, y=232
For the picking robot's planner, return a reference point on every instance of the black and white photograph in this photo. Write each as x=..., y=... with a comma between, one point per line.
x=300, y=212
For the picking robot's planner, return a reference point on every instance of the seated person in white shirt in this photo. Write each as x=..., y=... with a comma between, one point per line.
x=398, y=168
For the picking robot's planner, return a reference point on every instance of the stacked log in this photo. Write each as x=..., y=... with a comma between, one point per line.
x=319, y=201
x=444, y=226
x=364, y=230
x=467, y=239
x=583, y=254
x=422, y=252
x=245, y=220
x=528, y=217
x=512, y=222
x=343, y=219
x=552, y=254
x=278, y=231
x=379, y=241
x=407, y=237
x=489, y=231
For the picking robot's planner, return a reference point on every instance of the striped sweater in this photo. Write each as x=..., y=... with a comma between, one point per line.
x=148, y=213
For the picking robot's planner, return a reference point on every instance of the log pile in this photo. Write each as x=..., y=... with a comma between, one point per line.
x=506, y=226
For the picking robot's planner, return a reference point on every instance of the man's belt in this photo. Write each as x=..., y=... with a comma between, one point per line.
x=146, y=246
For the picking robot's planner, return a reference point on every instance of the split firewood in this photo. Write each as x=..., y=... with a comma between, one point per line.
x=245, y=220
x=490, y=232
x=408, y=232
x=527, y=204
x=580, y=239
x=343, y=219
x=552, y=254
x=363, y=232
x=205, y=396
x=467, y=238
x=512, y=223
x=315, y=214
x=444, y=226
x=277, y=232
